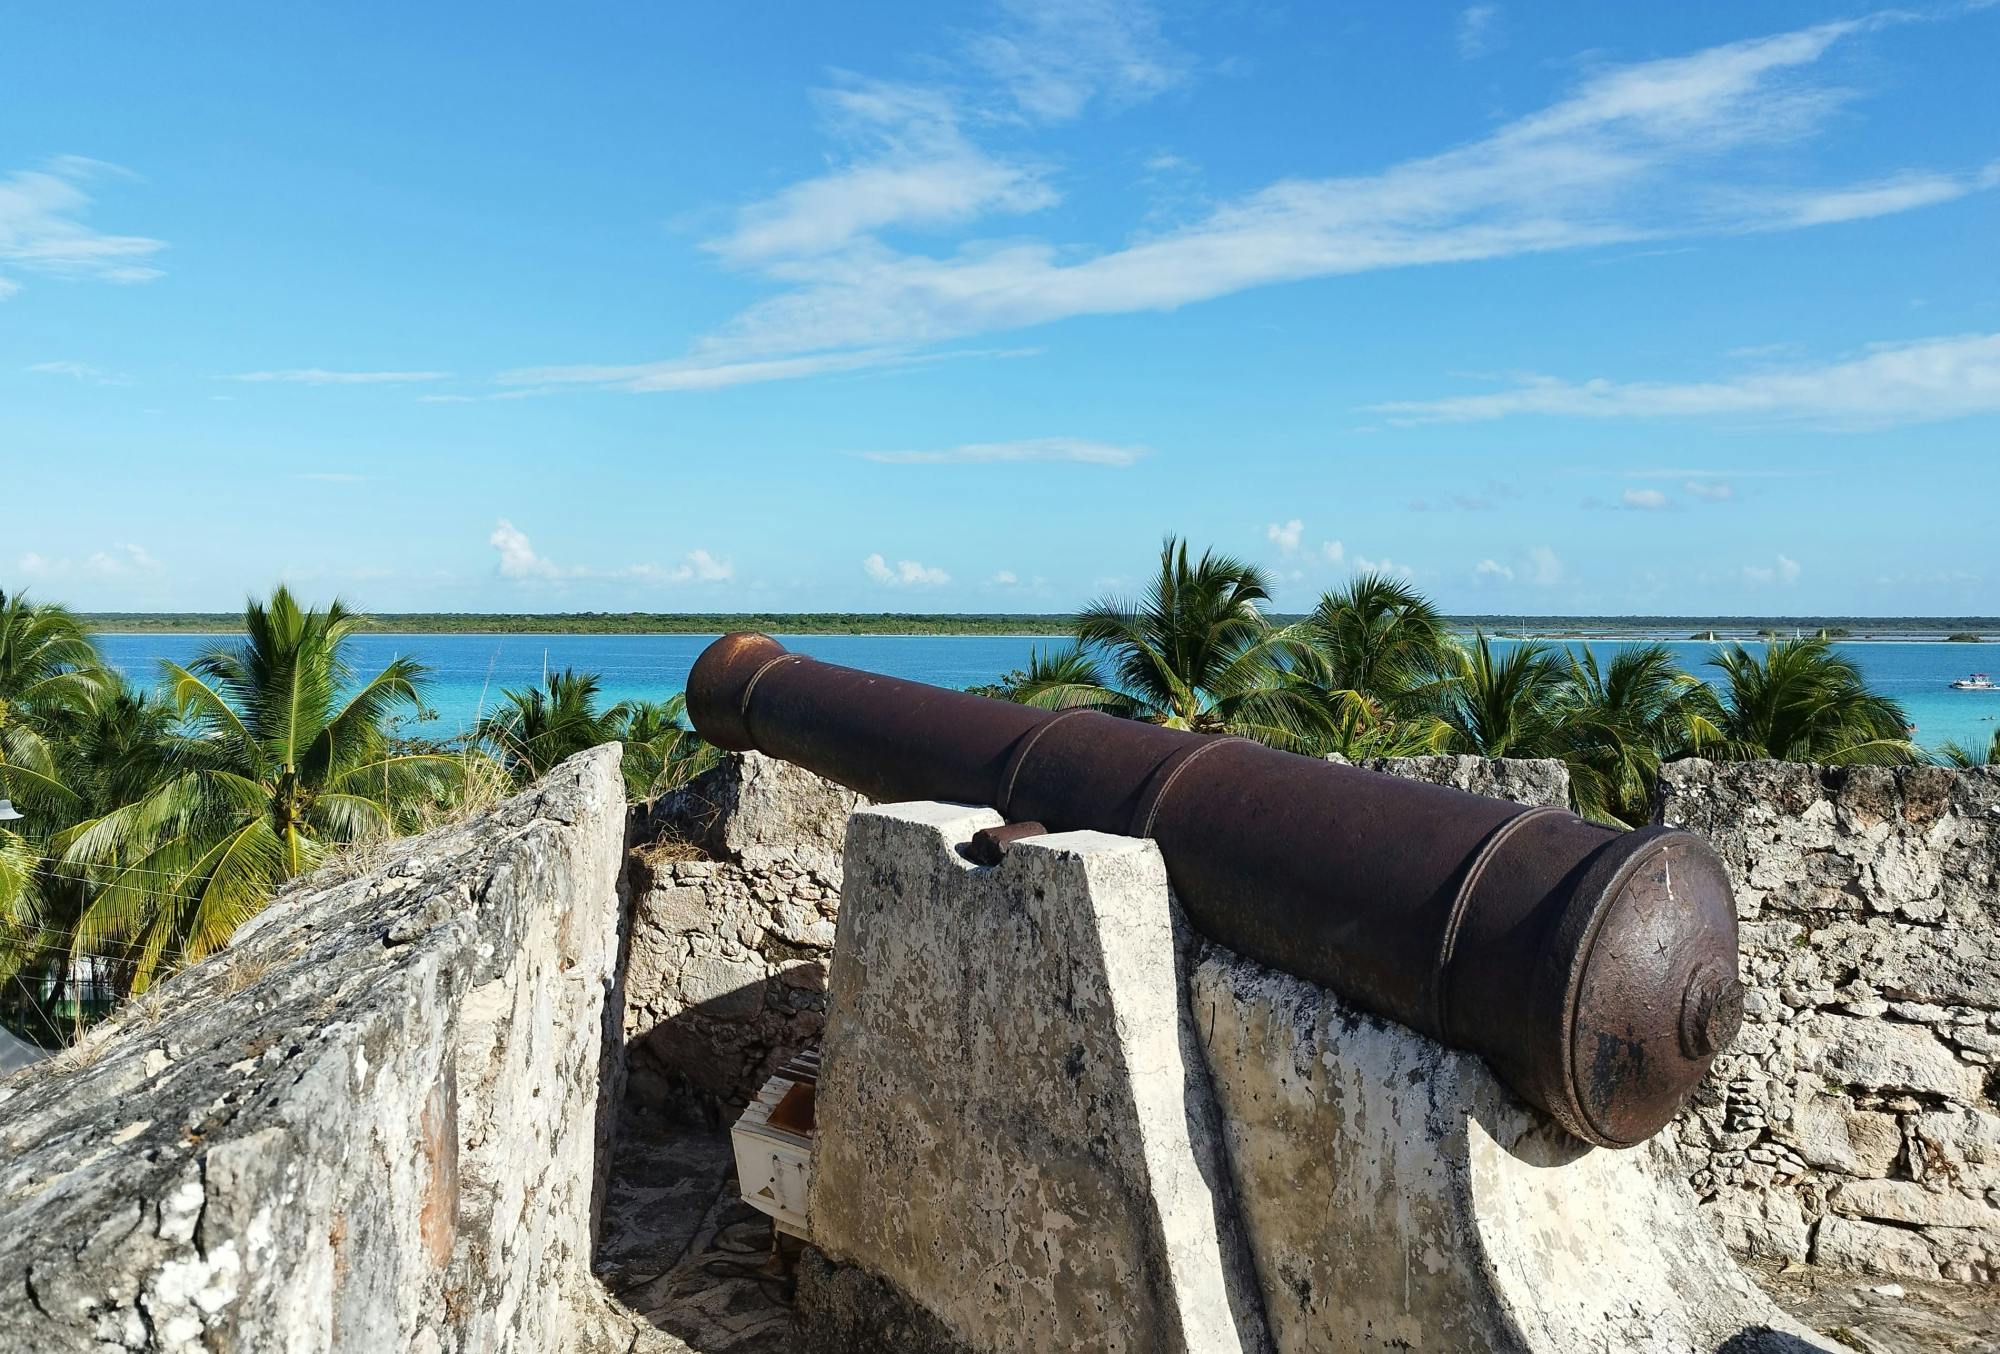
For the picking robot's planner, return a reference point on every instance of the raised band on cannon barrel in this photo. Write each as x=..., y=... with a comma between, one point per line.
x=1595, y=969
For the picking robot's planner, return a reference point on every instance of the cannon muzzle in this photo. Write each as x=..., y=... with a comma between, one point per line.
x=1593, y=968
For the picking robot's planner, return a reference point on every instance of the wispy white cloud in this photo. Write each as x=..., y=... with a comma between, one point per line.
x=1006, y=578
x=1645, y=153
x=1333, y=552
x=1492, y=571
x=1633, y=153
x=712, y=372
x=1885, y=197
x=1478, y=33
x=76, y=371
x=1906, y=382
x=517, y=558
x=42, y=228
x=1711, y=491
x=911, y=166
x=1646, y=500
x=904, y=573
x=1053, y=57
x=1075, y=449
x=319, y=376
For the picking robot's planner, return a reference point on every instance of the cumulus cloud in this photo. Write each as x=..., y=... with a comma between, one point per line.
x=1285, y=535
x=1646, y=500
x=1903, y=382
x=1080, y=450
x=1385, y=565
x=1005, y=578
x=904, y=573
x=1333, y=551
x=1492, y=571
x=119, y=563
x=42, y=228
x=1711, y=491
x=1781, y=572
x=516, y=558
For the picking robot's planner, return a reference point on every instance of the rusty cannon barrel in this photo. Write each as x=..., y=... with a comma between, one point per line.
x=1594, y=969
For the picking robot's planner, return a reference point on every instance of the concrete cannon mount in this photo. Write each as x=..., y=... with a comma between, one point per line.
x=1051, y=1119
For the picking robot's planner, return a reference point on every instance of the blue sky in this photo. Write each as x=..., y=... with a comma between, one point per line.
x=1560, y=309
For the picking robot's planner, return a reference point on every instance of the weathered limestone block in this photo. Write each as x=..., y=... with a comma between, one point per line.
x=1534, y=781
x=715, y=995
x=765, y=815
x=1396, y=1196
x=374, y=1122
x=1828, y=1132
x=1881, y=1055
x=1015, y=1132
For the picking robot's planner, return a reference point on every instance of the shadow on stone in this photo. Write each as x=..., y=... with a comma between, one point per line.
x=677, y=1249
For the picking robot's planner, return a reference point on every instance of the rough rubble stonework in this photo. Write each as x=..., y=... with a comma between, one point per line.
x=375, y=1122
x=726, y=978
x=1854, y=1124
x=1524, y=780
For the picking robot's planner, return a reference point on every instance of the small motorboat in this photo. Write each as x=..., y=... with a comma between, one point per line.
x=1978, y=681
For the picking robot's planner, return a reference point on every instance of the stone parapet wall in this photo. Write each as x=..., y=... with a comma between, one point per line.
x=1853, y=1126
x=376, y=1121
x=1854, y=1123
x=735, y=882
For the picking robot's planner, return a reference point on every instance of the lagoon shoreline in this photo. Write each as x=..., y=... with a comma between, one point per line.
x=1034, y=625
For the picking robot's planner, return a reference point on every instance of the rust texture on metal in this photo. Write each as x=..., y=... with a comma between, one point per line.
x=1595, y=969
x=989, y=844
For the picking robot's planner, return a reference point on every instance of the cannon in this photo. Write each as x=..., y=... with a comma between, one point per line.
x=1594, y=968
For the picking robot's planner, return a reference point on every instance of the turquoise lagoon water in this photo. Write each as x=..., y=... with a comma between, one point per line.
x=469, y=671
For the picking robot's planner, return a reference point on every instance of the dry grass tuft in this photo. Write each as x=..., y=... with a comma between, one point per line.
x=668, y=849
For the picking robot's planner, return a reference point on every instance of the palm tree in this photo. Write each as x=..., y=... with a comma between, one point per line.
x=1804, y=703
x=1195, y=653
x=1382, y=658
x=1620, y=720
x=661, y=751
x=537, y=727
x=50, y=677
x=283, y=757
x=48, y=670
x=1505, y=706
x=1954, y=753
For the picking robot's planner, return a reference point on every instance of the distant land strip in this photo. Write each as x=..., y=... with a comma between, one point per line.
x=1037, y=623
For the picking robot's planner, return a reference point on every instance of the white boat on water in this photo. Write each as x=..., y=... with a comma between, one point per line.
x=1978, y=681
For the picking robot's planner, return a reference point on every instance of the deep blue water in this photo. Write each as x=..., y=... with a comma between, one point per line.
x=469, y=671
